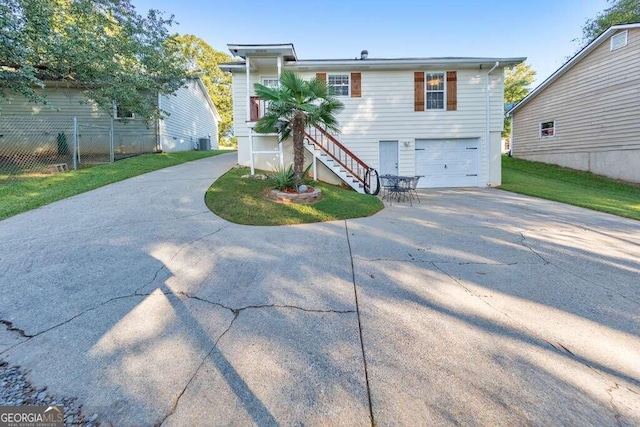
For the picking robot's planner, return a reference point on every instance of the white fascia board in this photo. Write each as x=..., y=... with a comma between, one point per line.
x=328, y=65
x=402, y=63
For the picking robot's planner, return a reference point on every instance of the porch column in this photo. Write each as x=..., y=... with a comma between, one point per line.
x=279, y=66
x=315, y=165
x=251, y=162
x=248, y=105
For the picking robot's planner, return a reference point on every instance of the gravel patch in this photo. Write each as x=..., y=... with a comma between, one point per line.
x=16, y=390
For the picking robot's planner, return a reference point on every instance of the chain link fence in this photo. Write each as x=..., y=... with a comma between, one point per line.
x=35, y=146
x=94, y=143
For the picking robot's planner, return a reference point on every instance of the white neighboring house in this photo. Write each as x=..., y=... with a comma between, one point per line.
x=586, y=115
x=192, y=117
x=436, y=117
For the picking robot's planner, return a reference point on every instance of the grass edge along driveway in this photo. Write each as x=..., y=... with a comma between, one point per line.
x=570, y=186
x=22, y=194
x=241, y=200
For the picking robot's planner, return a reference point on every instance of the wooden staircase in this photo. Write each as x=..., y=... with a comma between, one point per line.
x=346, y=165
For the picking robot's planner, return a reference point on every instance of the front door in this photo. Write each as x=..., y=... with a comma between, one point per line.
x=388, y=158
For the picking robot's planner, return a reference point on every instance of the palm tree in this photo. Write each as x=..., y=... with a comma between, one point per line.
x=294, y=105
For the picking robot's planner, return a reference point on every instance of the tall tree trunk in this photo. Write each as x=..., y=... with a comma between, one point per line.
x=298, y=147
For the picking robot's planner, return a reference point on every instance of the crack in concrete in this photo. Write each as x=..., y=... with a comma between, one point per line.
x=182, y=248
x=469, y=291
x=616, y=412
x=413, y=260
x=202, y=362
x=558, y=346
x=575, y=274
x=364, y=356
x=258, y=306
x=599, y=285
x=155, y=276
x=523, y=238
x=482, y=298
x=37, y=334
x=10, y=327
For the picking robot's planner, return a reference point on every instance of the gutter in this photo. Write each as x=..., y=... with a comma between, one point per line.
x=372, y=63
x=488, y=124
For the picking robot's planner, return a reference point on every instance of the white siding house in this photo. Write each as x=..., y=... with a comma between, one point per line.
x=436, y=117
x=586, y=115
x=192, y=116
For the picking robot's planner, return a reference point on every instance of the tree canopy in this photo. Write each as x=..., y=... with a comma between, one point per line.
x=218, y=83
x=517, y=82
x=103, y=46
x=619, y=12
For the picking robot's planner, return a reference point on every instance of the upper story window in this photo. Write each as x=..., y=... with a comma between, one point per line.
x=340, y=83
x=436, y=91
x=619, y=40
x=271, y=82
x=548, y=129
x=123, y=113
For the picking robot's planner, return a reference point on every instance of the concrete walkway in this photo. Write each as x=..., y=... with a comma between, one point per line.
x=474, y=307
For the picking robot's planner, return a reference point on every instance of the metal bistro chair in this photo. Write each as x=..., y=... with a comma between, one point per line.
x=389, y=184
x=414, y=185
x=404, y=188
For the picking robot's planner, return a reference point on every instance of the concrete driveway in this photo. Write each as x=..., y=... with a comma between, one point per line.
x=474, y=307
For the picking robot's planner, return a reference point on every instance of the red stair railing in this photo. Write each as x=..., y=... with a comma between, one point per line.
x=361, y=172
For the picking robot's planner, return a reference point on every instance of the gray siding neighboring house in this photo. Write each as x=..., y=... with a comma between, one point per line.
x=590, y=109
x=192, y=116
x=131, y=136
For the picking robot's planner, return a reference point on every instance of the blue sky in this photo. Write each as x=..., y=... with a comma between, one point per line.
x=541, y=30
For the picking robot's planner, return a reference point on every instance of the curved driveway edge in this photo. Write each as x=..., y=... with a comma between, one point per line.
x=475, y=306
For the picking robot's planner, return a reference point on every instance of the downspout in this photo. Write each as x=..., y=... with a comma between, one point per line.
x=510, y=152
x=158, y=141
x=488, y=124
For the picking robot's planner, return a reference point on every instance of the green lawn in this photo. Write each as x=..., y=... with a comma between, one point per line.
x=25, y=193
x=241, y=200
x=570, y=186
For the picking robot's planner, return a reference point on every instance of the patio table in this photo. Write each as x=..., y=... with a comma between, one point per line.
x=396, y=186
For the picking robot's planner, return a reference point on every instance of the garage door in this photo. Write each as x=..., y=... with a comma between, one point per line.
x=447, y=162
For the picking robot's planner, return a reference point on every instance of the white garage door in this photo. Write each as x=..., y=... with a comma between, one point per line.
x=447, y=162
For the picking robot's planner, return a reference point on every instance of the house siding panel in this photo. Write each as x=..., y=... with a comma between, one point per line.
x=385, y=111
x=596, y=109
x=190, y=118
x=130, y=136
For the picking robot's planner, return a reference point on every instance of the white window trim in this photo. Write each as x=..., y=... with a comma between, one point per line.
x=444, y=91
x=624, y=33
x=263, y=78
x=555, y=130
x=348, y=84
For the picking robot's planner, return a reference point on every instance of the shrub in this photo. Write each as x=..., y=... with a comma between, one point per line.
x=284, y=179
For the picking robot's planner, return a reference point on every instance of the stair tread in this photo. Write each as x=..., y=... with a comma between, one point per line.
x=347, y=177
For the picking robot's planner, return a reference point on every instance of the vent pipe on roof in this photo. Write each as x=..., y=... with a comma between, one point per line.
x=364, y=54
